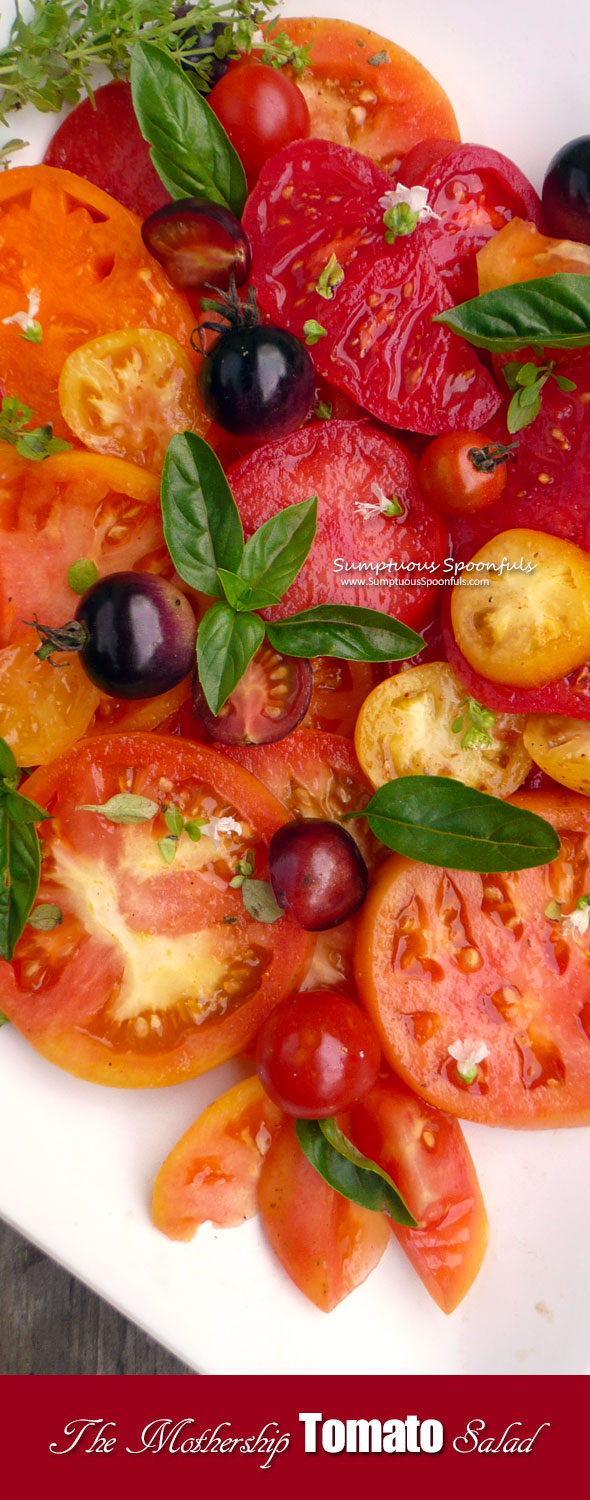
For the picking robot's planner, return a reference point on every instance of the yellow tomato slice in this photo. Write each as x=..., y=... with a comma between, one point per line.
x=43, y=709
x=519, y=252
x=561, y=747
x=419, y=724
x=127, y=393
x=521, y=611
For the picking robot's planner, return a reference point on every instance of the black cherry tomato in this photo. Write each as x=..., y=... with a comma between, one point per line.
x=271, y=699
x=198, y=243
x=566, y=191
x=317, y=1054
x=317, y=872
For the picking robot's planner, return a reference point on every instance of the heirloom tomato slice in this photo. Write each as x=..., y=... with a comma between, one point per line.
x=339, y=688
x=364, y=91
x=101, y=140
x=327, y=1244
x=567, y=695
x=425, y=1153
x=83, y=253
x=316, y=214
x=446, y=957
x=156, y=971
x=212, y=1173
x=352, y=558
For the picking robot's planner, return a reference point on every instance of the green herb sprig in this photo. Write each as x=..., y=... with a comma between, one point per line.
x=526, y=380
x=35, y=443
x=20, y=854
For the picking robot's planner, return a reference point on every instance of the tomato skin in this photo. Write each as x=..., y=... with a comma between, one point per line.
x=212, y=1172
x=569, y=696
x=261, y=110
x=62, y=989
x=451, y=480
x=425, y=1153
x=101, y=141
x=317, y=1054
x=445, y=955
x=326, y=1244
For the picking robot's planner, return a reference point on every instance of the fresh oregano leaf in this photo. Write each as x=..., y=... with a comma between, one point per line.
x=124, y=807
x=350, y=1173
x=259, y=900
x=45, y=918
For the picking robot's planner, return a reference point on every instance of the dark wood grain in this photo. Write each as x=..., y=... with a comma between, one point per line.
x=50, y=1324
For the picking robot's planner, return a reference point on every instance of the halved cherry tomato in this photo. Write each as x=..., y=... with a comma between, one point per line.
x=445, y=957
x=317, y=1054
x=261, y=110
x=569, y=695
x=418, y=723
x=101, y=141
x=84, y=253
x=522, y=612
x=341, y=462
x=145, y=982
x=519, y=252
x=339, y=688
x=425, y=1153
x=560, y=747
x=326, y=1244
x=269, y=701
x=212, y=1172
x=318, y=206
x=364, y=91
x=127, y=393
x=462, y=472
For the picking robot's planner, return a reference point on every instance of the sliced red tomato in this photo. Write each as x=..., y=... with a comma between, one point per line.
x=316, y=206
x=340, y=462
x=156, y=972
x=213, y=1171
x=339, y=688
x=326, y=1244
x=364, y=91
x=84, y=254
x=569, y=695
x=426, y=1155
x=448, y=961
x=476, y=192
x=101, y=141
x=129, y=716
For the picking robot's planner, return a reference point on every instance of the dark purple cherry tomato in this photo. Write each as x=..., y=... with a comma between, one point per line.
x=141, y=635
x=317, y=1054
x=204, y=44
x=566, y=191
x=272, y=698
x=317, y=872
x=198, y=243
x=258, y=382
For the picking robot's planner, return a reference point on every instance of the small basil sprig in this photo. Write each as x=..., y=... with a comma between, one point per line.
x=205, y=539
x=349, y=1172
x=551, y=311
x=526, y=380
x=440, y=821
x=20, y=855
x=190, y=149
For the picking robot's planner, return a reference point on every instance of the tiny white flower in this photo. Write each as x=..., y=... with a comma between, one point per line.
x=262, y=1139
x=26, y=320
x=468, y=1054
x=217, y=827
x=386, y=505
x=577, y=921
x=415, y=197
x=258, y=38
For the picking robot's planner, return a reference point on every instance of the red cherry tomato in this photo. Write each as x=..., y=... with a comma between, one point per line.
x=462, y=472
x=317, y=1054
x=261, y=110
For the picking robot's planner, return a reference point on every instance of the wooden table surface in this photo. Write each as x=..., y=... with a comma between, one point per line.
x=50, y=1324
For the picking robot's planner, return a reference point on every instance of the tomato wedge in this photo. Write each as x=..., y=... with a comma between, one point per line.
x=317, y=204
x=426, y=1155
x=447, y=960
x=326, y=1244
x=213, y=1171
x=145, y=982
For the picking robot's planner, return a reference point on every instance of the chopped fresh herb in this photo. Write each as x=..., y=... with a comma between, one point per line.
x=35, y=443
x=82, y=574
x=33, y=332
x=476, y=722
x=124, y=807
x=399, y=220
x=244, y=869
x=330, y=278
x=168, y=847
x=378, y=59
x=526, y=380
x=45, y=918
x=323, y=411
x=313, y=331
x=259, y=900
x=553, y=911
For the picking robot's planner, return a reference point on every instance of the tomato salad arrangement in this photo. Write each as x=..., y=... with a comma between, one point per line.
x=295, y=621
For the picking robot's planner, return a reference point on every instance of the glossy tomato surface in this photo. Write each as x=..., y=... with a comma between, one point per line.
x=317, y=1054
x=268, y=703
x=318, y=205
x=261, y=110
x=425, y=1153
x=443, y=957
x=340, y=462
x=144, y=982
x=101, y=140
x=568, y=695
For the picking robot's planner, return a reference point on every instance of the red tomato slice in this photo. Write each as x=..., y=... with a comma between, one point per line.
x=101, y=141
x=212, y=1173
x=339, y=688
x=476, y=191
x=426, y=1155
x=145, y=981
x=326, y=1244
x=315, y=201
x=445, y=956
x=570, y=695
x=339, y=462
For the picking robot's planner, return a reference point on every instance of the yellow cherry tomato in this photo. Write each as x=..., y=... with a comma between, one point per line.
x=561, y=747
x=43, y=709
x=521, y=610
x=421, y=723
x=127, y=393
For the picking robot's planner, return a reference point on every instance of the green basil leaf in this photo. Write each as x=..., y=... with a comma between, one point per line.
x=552, y=311
x=124, y=807
x=8, y=766
x=20, y=868
x=259, y=900
x=45, y=918
x=274, y=555
x=349, y=1172
x=190, y=149
x=242, y=596
x=23, y=810
x=201, y=521
x=345, y=631
x=440, y=821
x=226, y=643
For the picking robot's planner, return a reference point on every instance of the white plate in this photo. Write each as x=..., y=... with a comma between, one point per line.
x=77, y=1161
